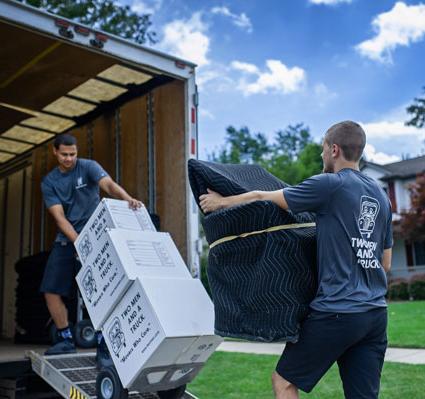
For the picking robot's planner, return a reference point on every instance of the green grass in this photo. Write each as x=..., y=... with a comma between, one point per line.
x=406, y=324
x=237, y=375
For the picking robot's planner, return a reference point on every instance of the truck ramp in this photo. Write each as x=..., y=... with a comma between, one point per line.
x=74, y=376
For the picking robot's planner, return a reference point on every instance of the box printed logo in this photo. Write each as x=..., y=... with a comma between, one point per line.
x=89, y=283
x=369, y=209
x=116, y=336
x=85, y=247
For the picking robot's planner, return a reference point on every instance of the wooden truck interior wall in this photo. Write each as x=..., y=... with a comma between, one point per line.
x=15, y=216
x=99, y=140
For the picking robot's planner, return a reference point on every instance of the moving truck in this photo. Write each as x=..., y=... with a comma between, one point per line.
x=133, y=110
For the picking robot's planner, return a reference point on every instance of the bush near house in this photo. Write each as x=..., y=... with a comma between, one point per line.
x=401, y=289
x=417, y=287
x=398, y=290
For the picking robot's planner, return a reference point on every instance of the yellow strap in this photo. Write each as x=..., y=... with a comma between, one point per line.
x=269, y=230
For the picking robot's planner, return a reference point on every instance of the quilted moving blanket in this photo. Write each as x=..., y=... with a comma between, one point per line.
x=262, y=283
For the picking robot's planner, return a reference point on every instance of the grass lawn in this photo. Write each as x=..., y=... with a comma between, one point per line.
x=242, y=376
x=406, y=324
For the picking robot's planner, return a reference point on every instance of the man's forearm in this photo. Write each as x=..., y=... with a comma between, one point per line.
x=118, y=192
x=212, y=201
x=67, y=229
x=228, y=202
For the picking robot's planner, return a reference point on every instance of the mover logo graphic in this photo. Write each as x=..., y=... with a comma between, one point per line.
x=369, y=209
x=116, y=336
x=85, y=247
x=89, y=284
x=80, y=183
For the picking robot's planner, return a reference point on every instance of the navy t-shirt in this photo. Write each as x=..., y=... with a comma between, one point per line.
x=77, y=191
x=353, y=224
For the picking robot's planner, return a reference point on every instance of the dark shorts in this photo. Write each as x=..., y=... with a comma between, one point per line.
x=61, y=269
x=356, y=341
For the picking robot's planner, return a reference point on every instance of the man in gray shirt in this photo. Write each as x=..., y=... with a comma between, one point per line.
x=71, y=194
x=348, y=319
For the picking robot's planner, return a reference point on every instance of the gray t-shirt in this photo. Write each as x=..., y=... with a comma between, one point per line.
x=77, y=191
x=353, y=218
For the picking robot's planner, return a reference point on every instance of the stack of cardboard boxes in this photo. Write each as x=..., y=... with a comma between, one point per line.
x=140, y=294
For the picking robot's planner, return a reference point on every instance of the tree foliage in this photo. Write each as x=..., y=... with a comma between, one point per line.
x=106, y=15
x=292, y=156
x=417, y=110
x=413, y=221
x=242, y=147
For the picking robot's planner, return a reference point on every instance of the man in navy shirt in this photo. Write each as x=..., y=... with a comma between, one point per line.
x=71, y=194
x=348, y=319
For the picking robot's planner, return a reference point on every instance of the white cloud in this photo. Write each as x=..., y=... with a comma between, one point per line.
x=206, y=76
x=214, y=77
x=241, y=21
x=323, y=94
x=204, y=113
x=277, y=78
x=379, y=157
x=187, y=39
x=400, y=26
x=389, y=129
x=329, y=2
x=145, y=6
x=245, y=67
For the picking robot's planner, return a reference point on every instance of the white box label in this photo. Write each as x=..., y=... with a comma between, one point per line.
x=149, y=254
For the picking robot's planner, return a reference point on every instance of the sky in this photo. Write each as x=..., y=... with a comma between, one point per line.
x=267, y=64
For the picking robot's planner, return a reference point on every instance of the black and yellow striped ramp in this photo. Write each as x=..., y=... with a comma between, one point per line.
x=75, y=393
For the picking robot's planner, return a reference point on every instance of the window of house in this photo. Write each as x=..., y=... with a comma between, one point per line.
x=419, y=251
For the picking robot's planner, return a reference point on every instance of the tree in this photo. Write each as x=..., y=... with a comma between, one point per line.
x=295, y=155
x=292, y=157
x=242, y=147
x=417, y=109
x=413, y=221
x=107, y=15
x=292, y=140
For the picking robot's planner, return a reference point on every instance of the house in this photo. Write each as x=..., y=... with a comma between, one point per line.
x=395, y=178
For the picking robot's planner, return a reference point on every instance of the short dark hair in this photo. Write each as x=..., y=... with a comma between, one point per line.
x=64, y=139
x=350, y=137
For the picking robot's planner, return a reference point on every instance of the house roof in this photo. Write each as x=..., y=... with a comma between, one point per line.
x=401, y=169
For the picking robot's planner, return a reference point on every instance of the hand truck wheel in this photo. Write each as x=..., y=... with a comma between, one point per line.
x=108, y=385
x=85, y=334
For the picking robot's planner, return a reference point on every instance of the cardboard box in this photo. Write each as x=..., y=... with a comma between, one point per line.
x=160, y=322
x=117, y=258
x=110, y=214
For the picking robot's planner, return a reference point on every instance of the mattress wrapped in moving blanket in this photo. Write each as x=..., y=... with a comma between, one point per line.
x=261, y=284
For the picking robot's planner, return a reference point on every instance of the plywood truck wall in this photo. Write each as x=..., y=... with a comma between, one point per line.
x=170, y=161
x=16, y=213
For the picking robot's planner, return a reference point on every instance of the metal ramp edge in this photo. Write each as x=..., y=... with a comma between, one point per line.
x=73, y=376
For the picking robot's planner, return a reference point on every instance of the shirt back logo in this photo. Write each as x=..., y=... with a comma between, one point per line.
x=369, y=209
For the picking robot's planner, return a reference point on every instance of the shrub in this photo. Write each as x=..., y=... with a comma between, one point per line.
x=398, y=289
x=417, y=287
